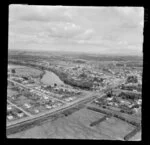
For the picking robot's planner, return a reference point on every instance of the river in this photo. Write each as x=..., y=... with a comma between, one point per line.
x=11, y=66
x=50, y=78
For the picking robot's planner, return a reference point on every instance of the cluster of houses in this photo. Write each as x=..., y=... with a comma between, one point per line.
x=119, y=104
x=14, y=113
x=110, y=79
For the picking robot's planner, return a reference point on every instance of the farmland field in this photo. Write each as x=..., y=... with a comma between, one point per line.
x=25, y=71
x=137, y=137
x=115, y=127
x=77, y=126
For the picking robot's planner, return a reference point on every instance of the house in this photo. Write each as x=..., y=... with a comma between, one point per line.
x=139, y=101
x=36, y=111
x=130, y=106
x=115, y=104
x=125, y=102
x=110, y=103
x=54, y=106
x=10, y=117
x=31, y=90
x=48, y=107
x=109, y=99
x=135, y=91
x=58, y=104
x=27, y=105
x=9, y=107
x=67, y=99
x=45, y=97
x=20, y=114
x=135, y=110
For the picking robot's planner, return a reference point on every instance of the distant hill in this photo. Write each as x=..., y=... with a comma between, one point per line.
x=79, y=56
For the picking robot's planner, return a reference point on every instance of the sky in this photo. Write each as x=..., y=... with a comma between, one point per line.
x=104, y=30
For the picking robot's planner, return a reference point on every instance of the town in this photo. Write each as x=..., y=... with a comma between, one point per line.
x=115, y=87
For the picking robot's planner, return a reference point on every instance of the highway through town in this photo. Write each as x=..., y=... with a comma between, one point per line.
x=88, y=96
x=41, y=117
x=19, y=108
x=37, y=91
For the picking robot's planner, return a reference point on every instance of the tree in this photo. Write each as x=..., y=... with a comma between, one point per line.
x=132, y=79
x=83, y=75
x=98, y=80
x=13, y=71
x=24, y=77
x=109, y=93
x=48, y=87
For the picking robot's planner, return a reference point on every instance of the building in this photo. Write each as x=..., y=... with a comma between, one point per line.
x=10, y=117
x=139, y=101
x=45, y=97
x=27, y=105
x=48, y=107
x=9, y=107
x=125, y=102
x=36, y=111
x=109, y=99
x=20, y=114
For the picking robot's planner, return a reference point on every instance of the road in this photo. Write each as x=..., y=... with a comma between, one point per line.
x=38, y=119
x=35, y=90
x=89, y=96
x=19, y=108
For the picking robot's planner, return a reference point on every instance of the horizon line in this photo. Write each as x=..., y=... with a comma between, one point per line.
x=78, y=52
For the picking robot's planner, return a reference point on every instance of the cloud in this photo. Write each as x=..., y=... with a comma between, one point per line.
x=64, y=30
x=68, y=31
x=55, y=22
x=87, y=34
x=38, y=13
x=125, y=10
x=115, y=27
x=132, y=14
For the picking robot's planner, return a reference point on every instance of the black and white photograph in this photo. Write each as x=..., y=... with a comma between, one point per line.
x=75, y=72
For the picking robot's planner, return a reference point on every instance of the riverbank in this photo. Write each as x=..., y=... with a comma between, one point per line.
x=49, y=78
x=85, y=85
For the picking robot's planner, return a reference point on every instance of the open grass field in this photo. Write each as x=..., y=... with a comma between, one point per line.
x=11, y=92
x=77, y=126
x=137, y=137
x=25, y=71
x=115, y=127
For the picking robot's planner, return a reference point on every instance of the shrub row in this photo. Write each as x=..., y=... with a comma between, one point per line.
x=115, y=115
